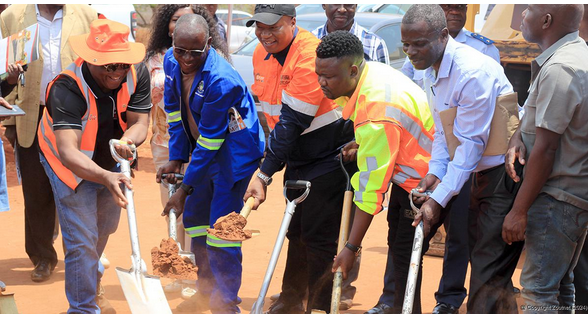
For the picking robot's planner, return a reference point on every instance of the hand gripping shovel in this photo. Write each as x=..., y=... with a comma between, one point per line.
x=415, y=257
x=173, y=233
x=143, y=292
x=343, y=235
x=290, y=207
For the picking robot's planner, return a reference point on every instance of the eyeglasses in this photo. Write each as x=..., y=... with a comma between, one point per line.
x=112, y=67
x=193, y=53
x=454, y=7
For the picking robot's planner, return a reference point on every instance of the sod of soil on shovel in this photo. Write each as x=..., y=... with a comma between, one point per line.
x=167, y=263
x=230, y=227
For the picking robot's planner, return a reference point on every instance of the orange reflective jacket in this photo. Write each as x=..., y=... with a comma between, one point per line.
x=45, y=133
x=294, y=84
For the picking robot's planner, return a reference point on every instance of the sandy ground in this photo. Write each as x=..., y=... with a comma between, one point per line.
x=49, y=296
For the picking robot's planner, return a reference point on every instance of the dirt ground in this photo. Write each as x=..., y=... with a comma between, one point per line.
x=49, y=296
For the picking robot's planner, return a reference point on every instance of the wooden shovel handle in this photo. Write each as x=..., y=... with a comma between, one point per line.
x=246, y=210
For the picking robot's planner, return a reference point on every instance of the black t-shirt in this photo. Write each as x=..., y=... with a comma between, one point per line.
x=67, y=105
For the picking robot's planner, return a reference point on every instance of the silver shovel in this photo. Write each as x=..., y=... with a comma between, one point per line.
x=415, y=257
x=143, y=292
x=173, y=233
x=290, y=207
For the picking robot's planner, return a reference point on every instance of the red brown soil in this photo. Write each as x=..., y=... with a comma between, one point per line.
x=168, y=263
x=230, y=228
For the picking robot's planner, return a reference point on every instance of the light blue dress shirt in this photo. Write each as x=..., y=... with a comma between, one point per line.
x=470, y=81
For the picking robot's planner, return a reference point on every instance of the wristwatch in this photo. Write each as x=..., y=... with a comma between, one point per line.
x=187, y=188
x=355, y=249
x=267, y=180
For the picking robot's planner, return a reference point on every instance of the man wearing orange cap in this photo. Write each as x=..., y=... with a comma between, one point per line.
x=57, y=22
x=104, y=94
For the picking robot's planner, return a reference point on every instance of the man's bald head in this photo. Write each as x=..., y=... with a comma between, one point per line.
x=191, y=24
x=566, y=17
x=545, y=24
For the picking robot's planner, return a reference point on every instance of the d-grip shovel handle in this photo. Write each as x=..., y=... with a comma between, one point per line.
x=297, y=184
x=114, y=153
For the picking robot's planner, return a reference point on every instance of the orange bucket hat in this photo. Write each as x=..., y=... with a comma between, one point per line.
x=107, y=43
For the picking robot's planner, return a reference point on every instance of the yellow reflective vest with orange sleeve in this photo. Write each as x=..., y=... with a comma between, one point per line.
x=394, y=129
x=45, y=133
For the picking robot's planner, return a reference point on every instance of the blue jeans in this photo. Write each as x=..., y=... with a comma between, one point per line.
x=87, y=217
x=553, y=231
x=4, y=205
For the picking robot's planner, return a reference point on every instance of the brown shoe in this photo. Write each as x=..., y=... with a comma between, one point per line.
x=102, y=302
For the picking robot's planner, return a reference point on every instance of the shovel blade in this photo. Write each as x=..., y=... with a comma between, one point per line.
x=7, y=304
x=144, y=293
x=188, y=255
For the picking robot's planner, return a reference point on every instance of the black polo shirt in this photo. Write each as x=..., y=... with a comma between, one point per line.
x=67, y=105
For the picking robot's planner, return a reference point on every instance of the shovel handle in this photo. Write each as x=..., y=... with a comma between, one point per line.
x=173, y=233
x=297, y=184
x=246, y=210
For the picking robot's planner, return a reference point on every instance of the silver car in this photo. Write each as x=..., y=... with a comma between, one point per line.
x=387, y=26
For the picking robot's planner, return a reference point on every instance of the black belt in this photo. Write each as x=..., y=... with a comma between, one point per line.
x=486, y=171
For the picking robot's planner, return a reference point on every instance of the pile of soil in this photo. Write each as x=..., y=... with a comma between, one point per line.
x=167, y=263
x=230, y=227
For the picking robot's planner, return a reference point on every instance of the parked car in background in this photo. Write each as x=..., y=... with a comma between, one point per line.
x=239, y=17
x=308, y=8
x=122, y=13
x=239, y=32
x=389, y=8
x=384, y=25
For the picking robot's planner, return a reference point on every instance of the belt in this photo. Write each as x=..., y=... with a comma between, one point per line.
x=486, y=171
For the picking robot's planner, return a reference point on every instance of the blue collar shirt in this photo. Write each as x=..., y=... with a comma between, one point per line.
x=470, y=81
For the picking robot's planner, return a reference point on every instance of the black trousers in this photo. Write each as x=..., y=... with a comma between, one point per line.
x=493, y=261
x=39, y=204
x=458, y=245
x=312, y=237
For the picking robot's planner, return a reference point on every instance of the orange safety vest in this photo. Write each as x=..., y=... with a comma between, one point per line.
x=273, y=83
x=45, y=133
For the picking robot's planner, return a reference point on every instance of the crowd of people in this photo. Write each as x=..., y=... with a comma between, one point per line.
x=326, y=94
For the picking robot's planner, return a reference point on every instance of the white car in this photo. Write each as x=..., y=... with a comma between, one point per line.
x=122, y=13
x=239, y=32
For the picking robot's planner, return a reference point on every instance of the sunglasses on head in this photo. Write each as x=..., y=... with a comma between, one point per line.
x=112, y=67
x=193, y=53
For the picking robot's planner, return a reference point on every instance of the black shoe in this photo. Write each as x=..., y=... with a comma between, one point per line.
x=442, y=308
x=279, y=307
x=42, y=271
x=380, y=308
